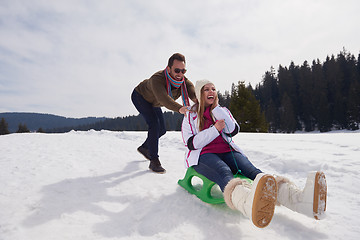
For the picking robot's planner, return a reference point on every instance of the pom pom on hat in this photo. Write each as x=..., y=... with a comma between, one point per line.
x=198, y=85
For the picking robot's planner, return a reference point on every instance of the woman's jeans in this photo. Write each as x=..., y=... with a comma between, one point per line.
x=155, y=121
x=221, y=167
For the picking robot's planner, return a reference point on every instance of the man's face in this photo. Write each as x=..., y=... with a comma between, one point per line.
x=174, y=70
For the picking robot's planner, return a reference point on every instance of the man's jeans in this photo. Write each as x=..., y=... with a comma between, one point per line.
x=155, y=121
x=221, y=167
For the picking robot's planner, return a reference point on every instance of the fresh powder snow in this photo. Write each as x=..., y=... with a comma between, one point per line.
x=95, y=185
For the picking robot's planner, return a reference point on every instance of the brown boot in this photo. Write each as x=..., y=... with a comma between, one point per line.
x=155, y=166
x=144, y=151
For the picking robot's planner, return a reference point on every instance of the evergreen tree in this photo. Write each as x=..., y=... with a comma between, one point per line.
x=352, y=91
x=268, y=94
x=178, y=125
x=40, y=130
x=270, y=90
x=319, y=100
x=354, y=106
x=3, y=127
x=288, y=85
x=306, y=93
x=246, y=110
x=224, y=99
x=167, y=125
x=287, y=115
x=22, y=129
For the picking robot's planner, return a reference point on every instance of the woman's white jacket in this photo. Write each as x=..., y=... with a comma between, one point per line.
x=195, y=140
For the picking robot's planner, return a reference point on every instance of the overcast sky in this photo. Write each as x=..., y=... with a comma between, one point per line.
x=83, y=58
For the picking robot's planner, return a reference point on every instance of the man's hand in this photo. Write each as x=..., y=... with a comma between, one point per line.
x=183, y=110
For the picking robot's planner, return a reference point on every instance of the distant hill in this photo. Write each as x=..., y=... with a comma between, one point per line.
x=57, y=124
x=130, y=123
x=34, y=121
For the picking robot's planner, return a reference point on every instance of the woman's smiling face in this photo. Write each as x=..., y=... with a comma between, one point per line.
x=209, y=94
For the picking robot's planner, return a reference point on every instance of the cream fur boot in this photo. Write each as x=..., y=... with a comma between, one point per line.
x=256, y=201
x=311, y=201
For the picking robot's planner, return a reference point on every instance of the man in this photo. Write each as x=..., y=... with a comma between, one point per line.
x=161, y=90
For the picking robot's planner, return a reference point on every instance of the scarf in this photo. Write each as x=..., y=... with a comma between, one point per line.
x=176, y=84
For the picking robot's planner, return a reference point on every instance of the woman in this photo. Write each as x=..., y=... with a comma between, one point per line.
x=207, y=132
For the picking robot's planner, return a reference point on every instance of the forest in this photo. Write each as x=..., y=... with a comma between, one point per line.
x=317, y=97
x=321, y=96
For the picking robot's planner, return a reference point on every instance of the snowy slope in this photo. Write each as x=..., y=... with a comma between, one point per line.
x=94, y=185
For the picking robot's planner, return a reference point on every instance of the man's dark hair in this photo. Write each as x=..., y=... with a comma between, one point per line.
x=176, y=56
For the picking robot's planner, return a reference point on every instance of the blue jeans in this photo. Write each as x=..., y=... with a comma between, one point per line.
x=155, y=120
x=221, y=167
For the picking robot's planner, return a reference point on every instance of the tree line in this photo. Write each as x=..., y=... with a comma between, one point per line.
x=172, y=122
x=130, y=123
x=34, y=121
x=321, y=96
x=4, y=129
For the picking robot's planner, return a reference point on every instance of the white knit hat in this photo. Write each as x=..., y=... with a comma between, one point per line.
x=198, y=85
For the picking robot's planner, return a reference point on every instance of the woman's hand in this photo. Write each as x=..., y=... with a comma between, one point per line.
x=220, y=125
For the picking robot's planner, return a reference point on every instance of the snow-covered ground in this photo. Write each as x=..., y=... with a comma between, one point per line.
x=94, y=185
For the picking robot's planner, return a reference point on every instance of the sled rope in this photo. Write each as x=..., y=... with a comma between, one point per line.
x=231, y=150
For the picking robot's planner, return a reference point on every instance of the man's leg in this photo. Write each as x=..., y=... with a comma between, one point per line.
x=151, y=116
x=160, y=116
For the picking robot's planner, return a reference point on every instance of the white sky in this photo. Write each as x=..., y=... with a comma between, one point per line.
x=83, y=58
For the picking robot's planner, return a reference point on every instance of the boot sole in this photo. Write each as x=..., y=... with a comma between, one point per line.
x=264, y=201
x=320, y=193
x=159, y=172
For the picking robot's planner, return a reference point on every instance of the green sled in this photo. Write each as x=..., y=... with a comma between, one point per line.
x=205, y=192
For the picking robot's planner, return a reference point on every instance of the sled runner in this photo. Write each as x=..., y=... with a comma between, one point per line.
x=204, y=193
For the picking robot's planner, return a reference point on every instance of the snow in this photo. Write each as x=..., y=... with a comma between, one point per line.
x=94, y=185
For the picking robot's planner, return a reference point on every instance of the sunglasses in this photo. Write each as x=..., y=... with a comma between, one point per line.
x=178, y=70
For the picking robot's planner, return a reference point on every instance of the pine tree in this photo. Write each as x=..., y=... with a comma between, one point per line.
x=224, y=99
x=287, y=115
x=22, y=129
x=40, y=130
x=246, y=110
x=268, y=95
x=3, y=127
x=354, y=106
x=306, y=93
x=320, y=100
x=288, y=85
x=272, y=116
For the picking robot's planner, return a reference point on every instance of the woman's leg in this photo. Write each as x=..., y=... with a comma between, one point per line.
x=214, y=168
x=236, y=160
